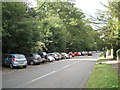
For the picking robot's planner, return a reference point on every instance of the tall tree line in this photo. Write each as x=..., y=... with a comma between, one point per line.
x=59, y=26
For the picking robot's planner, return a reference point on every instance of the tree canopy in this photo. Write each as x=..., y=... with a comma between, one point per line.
x=51, y=27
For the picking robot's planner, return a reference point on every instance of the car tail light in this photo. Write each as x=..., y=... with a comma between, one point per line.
x=61, y=55
x=25, y=59
x=43, y=56
x=14, y=60
x=35, y=57
x=57, y=56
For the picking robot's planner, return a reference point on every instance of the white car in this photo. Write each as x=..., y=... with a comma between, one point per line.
x=80, y=53
x=66, y=55
x=50, y=58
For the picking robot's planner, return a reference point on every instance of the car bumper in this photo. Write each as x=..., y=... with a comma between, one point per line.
x=18, y=64
x=37, y=61
x=43, y=59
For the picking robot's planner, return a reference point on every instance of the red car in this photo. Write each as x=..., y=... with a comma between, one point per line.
x=76, y=53
x=89, y=53
x=71, y=54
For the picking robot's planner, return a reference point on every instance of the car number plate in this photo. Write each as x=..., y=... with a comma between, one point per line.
x=21, y=64
x=38, y=58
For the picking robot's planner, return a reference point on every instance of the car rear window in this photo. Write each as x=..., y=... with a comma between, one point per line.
x=44, y=53
x=19, y=56
x=37, y=55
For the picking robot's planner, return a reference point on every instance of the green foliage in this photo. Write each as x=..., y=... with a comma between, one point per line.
x=19, y=31
x=108, y=23
x=59, y=26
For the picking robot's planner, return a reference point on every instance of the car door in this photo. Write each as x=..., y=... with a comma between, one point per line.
x=10, y=57
x=29, y=57
x=5, y=60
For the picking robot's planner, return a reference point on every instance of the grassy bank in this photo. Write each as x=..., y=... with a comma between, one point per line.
x=103, y=76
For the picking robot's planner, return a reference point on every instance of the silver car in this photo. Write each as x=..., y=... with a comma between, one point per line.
x=15, y=60
x=66, y=55
x=50, y=58
x=57, y=57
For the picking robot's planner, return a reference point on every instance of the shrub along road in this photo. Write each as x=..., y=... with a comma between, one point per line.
x=69, y=73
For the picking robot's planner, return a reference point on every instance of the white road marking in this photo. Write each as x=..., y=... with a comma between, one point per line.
x=43, y=76
x=36, y=79
x=67, y=66
x=47, y=74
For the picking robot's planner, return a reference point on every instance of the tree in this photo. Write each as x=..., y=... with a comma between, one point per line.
x=19, y=30
x=108, y=25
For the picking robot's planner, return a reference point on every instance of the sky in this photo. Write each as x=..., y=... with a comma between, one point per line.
x=87, y=6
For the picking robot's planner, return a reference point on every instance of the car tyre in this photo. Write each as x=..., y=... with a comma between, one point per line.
x=48, y=60
x=11, y=66
x=31, y=62
x=24, y=66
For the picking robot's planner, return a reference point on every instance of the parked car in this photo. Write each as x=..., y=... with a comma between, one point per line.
x=62, y=56
x=89, y=53
x=15, y=60
x=79, y=53
x=71, y=54
x=50, y=58
x=33, y=58
x=59, y=55
x=75, y=54
x=55, y=56
x=43, y=56
x=66, y=55
x=84, y=53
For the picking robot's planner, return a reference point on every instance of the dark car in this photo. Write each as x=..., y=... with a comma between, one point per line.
x=44, y=56
x=33, y=58
x=15, y=60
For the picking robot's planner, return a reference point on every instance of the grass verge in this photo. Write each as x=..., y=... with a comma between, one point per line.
x=103, y=76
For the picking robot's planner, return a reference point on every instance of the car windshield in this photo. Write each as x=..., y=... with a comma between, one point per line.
x=19, y=56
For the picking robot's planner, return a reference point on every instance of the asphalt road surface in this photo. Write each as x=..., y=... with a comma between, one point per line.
x=69, y=73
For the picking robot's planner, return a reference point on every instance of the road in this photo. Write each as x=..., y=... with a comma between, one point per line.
x=69, y=73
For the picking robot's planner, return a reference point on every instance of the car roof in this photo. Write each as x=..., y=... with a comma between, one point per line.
x=14, y=54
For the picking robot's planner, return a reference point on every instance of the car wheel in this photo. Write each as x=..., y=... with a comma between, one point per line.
x=48, y=60
x=24, y=66
x=31, y=62
x=11, y=66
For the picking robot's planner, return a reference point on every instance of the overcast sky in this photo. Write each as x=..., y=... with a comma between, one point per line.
x=87, y=6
